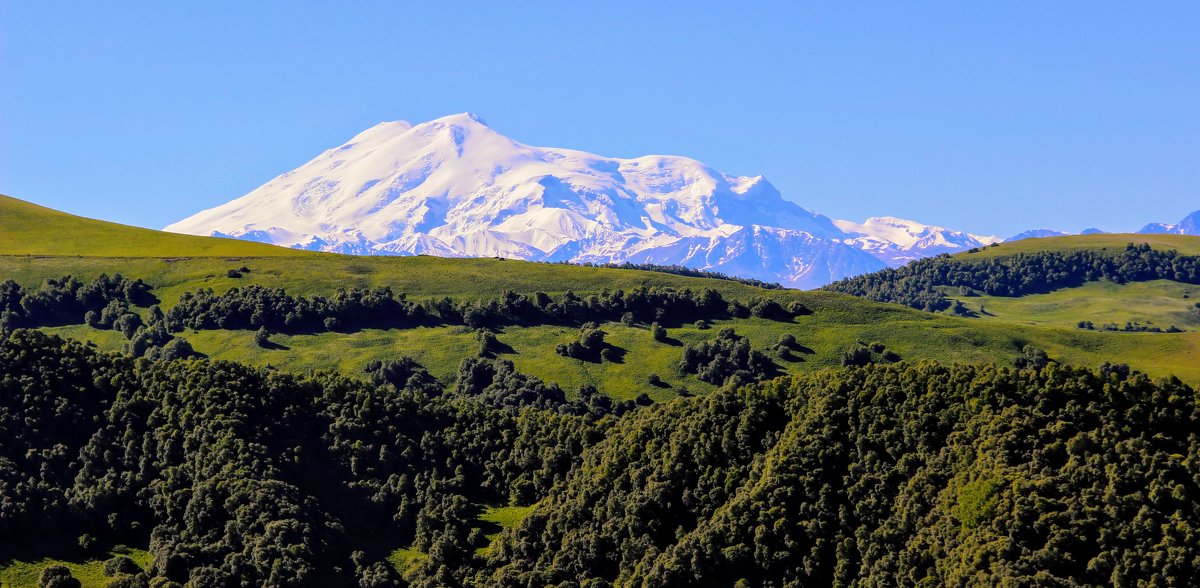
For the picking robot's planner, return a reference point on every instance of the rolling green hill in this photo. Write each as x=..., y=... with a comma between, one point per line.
x=175, y=264
x=1157, y=303
x=319, y=453
x=1185, y=244
x=29, y=229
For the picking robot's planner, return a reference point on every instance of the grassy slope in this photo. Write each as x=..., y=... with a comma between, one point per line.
x=1185, y=244
x=29, y=229
x=840, y=321
x=23, y=573
x=1157, y=303
x=33, y=247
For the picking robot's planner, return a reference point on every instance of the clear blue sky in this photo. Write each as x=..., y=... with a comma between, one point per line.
x=992, y=117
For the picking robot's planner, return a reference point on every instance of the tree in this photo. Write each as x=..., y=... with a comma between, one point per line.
x=57, y=576
x=658, y=332
x=262, y=337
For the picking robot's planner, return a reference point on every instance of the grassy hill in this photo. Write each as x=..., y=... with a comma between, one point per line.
x=1157, y=303
x=175, y=264
x=1185, y=244
x=29, y=229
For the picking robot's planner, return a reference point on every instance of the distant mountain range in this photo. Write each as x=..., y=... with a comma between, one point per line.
x=455, y=187
x=1190, y=225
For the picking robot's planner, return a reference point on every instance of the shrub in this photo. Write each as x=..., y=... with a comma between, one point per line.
x=57, y=576
x=658, y=331
x=121, y=564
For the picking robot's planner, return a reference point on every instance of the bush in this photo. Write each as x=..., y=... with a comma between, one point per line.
x=658, y=332
x=133, y=581
x=121, y=564
x=57, y=576
x=1031, y=358
x=588, y=346
x=233, y=274
x=859, y=356
x=262, y=337
x=727, y=357
x=87, y=542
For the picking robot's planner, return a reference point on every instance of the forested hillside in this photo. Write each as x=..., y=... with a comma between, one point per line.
x=916, y=284
x=906, y=474
x=440, y=422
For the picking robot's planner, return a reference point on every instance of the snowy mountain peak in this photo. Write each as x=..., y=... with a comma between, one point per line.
x=454, y=186
x=1189, y=225
x=897, y=240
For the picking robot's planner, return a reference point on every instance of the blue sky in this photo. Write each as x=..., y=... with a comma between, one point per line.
x=990, y=117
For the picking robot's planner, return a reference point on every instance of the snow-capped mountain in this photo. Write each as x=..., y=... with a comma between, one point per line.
x=897, y=241
x=456, y=187
x=1190, y=225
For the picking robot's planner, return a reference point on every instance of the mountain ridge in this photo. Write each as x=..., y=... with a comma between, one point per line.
x=455, y=187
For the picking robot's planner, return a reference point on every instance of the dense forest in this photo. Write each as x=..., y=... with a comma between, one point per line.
x=917, y=284
x=900, y=474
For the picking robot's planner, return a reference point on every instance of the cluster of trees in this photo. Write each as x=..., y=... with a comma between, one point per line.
x=242, y=476
x=107, y=302
x=912, y=475
x=1128, y=327
x=868, y=353
x=69, y=301
x=589, y=346
x=727, y=357
x=254, y=307
x=881, y=475
x=918, y=283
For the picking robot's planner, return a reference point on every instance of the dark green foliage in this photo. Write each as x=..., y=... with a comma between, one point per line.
x=857, y=356
x=489, y=345
x=883, y=476
x=262, y=337
x=102, y=303
x=658, y=332
x=727, y=357
x=589, y=346
x=877, y=475
x=865, y=354
x=57, y=576
x=242, y=476
x=132, y=581
x=916, y=284
x=254, y=307
x=1031, y=358
x=119, y=565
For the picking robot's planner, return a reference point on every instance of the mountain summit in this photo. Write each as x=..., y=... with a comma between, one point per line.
x=456, y=187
